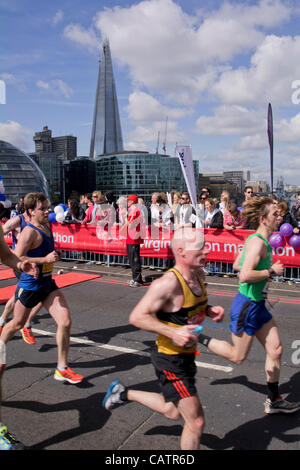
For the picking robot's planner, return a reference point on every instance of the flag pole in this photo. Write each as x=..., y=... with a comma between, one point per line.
x=270, y=136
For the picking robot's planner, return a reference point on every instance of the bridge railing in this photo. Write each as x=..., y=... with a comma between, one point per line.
x=213, y=268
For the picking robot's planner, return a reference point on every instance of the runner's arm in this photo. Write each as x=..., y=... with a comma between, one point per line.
x=11, y=225
x=237, y=262
x=254, y=252
x=28, y=240
x=143, y=316
x=9, y=258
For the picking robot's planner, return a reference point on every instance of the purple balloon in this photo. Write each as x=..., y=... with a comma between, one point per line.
x=294, y=241
x=276, y=240
x=286, y=230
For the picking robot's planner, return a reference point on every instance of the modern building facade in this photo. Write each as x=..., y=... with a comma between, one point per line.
x=20, y=173
x=66, y=145
x=51, y=164
x=106, y=132
x=140, y=173
x=236, y=177
x=50, y=155
x=79, y=177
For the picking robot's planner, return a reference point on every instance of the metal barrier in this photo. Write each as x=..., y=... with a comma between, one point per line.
x=212, y=268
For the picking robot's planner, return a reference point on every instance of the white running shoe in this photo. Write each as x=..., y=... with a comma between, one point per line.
x=113, y=393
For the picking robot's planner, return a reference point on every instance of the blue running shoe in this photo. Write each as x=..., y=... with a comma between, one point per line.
x=7, y=441
x=113, y=393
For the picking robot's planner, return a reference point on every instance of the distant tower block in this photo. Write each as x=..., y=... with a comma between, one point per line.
x=106, y=133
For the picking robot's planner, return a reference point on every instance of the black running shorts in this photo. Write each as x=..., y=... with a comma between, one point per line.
x=176, y=375
x=30, y=298
x=17, y=273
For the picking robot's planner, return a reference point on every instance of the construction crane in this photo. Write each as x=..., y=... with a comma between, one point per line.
x=157, y=145
x=165, y=140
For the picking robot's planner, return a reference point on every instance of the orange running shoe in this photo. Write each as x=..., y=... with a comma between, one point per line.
x=68, y=375
x=28, y=335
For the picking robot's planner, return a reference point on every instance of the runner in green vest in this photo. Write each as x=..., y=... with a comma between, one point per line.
x=249, y=316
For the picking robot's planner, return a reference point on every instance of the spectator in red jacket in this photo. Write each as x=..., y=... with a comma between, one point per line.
x=135, y=226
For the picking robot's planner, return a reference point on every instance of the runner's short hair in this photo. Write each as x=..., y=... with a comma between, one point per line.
x=31, y=200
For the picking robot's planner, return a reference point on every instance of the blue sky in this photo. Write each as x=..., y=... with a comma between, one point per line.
x=209, y=68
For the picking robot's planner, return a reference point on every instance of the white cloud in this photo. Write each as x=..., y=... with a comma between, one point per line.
x=257, y=162
x=237, y=27
x=8, y=77
x=181, y=55
x=43, y=85
x=16, y=134
x=231, y=120
x=144, y=107
x=14, y=80
x=131, y=145
x=252, y=142
x=55, y=87
x=288, y=131
x=84, y=37
x=273, y=68
x=58, y=17
x=65, y=89
x=149, y=133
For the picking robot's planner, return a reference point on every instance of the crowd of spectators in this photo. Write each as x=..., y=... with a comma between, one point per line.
x=165, y=210
x=129, y=215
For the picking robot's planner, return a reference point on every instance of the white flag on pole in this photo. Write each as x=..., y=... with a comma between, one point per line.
x=184, y=153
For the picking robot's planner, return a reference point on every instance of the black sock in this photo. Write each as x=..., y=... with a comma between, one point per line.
x=204, y=339
x=123, y=395
x=273, y=391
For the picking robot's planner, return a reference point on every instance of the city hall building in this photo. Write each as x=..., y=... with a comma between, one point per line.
x=141, y=173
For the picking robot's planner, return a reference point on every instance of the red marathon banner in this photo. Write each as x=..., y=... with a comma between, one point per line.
x=223, y=245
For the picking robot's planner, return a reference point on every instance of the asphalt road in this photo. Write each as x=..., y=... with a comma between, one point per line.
x=50, y=415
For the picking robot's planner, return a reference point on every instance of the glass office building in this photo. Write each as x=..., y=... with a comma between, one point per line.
x=140, y=173
x=20, y=173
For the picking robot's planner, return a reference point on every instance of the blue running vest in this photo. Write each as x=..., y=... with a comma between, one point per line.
x=44, y=280
x=22, y=225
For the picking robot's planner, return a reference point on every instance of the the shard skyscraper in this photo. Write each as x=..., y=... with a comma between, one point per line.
x=106, y=133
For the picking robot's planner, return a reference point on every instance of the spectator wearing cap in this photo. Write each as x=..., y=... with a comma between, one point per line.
x=134, y=238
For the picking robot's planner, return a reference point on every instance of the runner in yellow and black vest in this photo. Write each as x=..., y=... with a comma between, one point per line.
x=172, y=308
x=169, y=358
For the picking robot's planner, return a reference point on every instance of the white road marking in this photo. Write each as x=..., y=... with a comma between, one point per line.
x=128, y=350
